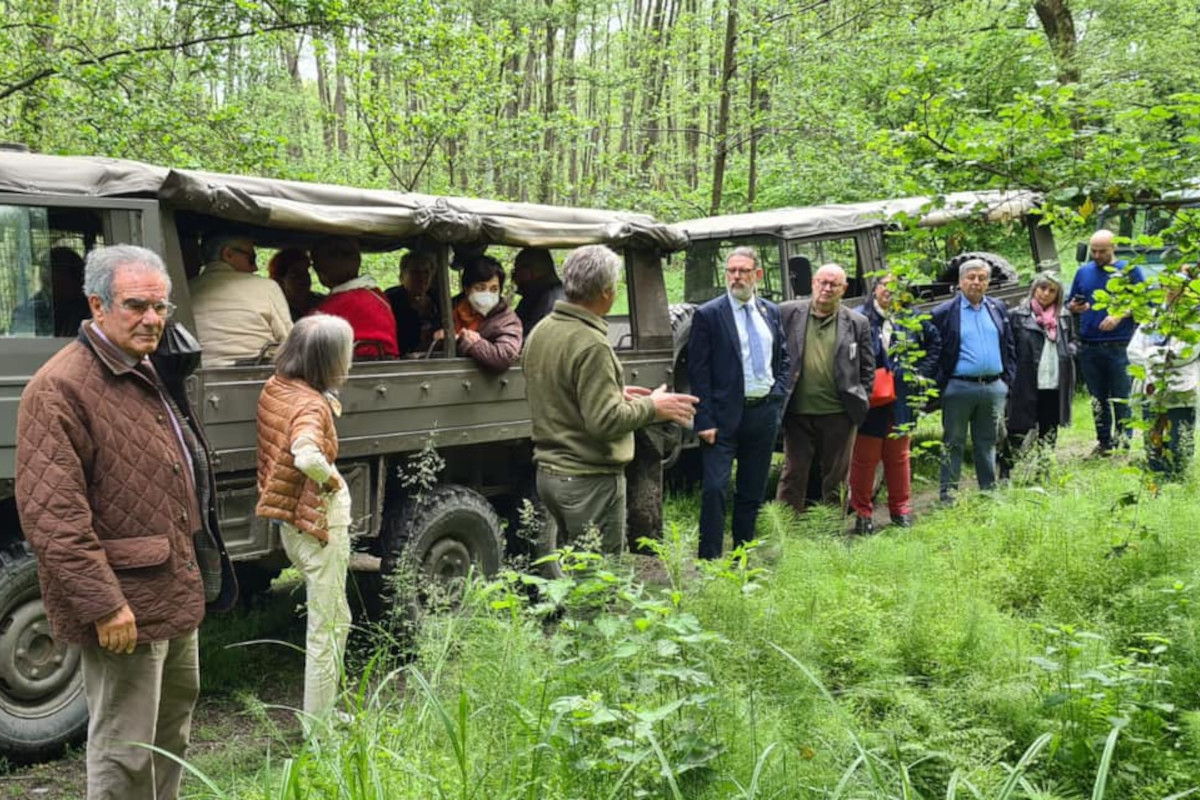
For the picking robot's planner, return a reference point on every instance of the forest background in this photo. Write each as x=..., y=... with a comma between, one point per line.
x=1058, y=620
x=679, y=108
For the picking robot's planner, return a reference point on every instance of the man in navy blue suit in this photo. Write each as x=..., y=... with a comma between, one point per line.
x=738, y=368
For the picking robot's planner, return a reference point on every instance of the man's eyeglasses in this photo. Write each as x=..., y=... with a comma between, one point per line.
x=828, y=284
x=743, y=271
x=250, y=254
x=138, y=307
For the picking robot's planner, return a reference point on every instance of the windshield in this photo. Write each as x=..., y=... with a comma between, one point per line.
x=704, y=270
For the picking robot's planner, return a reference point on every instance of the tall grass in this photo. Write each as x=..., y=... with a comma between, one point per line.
x=1041, y=642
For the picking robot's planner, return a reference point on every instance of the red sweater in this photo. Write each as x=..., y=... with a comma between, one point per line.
x=370, y=315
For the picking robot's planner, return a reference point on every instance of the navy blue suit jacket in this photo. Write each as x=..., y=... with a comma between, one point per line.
x=715, y=363
x=948, y=321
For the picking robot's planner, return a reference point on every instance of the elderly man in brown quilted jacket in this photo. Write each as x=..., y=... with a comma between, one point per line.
x=114, y=491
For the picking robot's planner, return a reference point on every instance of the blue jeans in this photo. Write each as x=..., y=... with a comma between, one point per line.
x=979, y=406
x=1106, y=373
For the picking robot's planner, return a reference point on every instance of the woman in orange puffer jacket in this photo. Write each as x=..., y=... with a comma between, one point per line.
x=299, y=486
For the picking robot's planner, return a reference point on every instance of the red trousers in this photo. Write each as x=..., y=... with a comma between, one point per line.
x=868, y=452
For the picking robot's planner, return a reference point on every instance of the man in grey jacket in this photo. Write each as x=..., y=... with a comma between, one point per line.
x=833, y=370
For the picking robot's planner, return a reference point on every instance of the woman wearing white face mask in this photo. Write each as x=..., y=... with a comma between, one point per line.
x=488, y=330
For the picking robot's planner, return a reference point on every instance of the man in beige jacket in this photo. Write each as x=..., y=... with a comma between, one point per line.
x=237, y=312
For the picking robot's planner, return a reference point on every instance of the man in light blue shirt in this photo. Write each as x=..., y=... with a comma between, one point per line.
x=977, y=365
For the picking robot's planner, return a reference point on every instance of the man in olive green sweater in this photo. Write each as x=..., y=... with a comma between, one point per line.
x=583, y=414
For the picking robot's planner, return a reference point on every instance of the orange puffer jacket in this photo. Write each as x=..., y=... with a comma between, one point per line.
x=289, y=408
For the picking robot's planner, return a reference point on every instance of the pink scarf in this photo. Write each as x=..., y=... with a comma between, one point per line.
x=1046, y=318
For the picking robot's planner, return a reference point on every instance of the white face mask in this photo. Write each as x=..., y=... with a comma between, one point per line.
x=483, y=302
x=743, y=292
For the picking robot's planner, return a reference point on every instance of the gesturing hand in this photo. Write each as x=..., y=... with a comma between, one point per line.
x=118, y=631
x=678, y=408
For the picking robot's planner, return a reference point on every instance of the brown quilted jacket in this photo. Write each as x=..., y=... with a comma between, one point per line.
x=287, y=409
x=104, y=497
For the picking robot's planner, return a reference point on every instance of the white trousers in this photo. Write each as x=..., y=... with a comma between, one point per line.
x=324, y=570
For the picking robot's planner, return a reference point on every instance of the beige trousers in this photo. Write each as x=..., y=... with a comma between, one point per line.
x=146, y=697
x=324, y=571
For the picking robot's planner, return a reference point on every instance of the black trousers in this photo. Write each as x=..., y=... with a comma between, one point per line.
x=1047, y=431
x=752, y=445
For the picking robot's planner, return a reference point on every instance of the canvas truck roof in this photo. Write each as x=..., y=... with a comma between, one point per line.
x=333, y=209
x=810, y=221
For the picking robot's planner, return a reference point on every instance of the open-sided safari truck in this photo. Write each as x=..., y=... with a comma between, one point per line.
x=479, y=422
x=934, y=235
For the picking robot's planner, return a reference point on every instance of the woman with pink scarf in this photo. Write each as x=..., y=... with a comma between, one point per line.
x=1039, y=401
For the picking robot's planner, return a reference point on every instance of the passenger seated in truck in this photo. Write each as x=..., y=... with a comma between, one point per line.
x=416, y=312
x=59, y=306
x=238, y=314
x=289, y=268
x=538, y=285
x=488, y=330
x=355, y=298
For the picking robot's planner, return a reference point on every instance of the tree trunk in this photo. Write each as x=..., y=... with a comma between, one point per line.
x=721, y=134
x=572, y=94
x=549, y=158
x=320, y=52
x=1059, y=27
x=339, y=103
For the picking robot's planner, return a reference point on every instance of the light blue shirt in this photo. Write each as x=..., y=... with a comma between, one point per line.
x=753, y=387
x=978, y=343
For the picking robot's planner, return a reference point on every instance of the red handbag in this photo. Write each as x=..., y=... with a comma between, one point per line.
x=884, y=390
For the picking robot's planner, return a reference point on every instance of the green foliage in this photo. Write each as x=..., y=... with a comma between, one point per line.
x=616, y=105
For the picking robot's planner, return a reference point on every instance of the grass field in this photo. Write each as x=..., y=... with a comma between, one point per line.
x=1039, y=642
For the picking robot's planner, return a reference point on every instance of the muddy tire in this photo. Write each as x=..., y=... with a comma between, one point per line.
x=681, y=324
x=447, y=532
x=42, y=704
x=1003, y=273
x=681, y=330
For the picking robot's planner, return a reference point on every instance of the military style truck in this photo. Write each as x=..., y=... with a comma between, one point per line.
x=793, y=242
x=1132, y=221
x=479, y=422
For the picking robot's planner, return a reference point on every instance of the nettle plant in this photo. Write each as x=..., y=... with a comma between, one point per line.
x=1090, y=692
x=639, y=703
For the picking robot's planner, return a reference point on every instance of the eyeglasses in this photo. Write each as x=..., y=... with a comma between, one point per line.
x=250, y=254
x=138, y=307
x=828, y=284
x=743, y=271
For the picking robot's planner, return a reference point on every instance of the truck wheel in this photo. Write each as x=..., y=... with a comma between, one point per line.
x=42, y=704
x=448, y=531
x=1003, y=273
x=681, y=315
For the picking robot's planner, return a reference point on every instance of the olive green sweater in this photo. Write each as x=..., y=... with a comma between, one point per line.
x=582, y=423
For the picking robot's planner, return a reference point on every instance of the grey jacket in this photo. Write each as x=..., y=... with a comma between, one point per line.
x=854, y=355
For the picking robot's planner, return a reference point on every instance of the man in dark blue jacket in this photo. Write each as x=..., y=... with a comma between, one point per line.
x=977, y=365
x=1103, y=338
x=738, y=367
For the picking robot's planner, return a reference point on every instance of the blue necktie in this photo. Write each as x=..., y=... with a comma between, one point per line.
x=758, y=359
